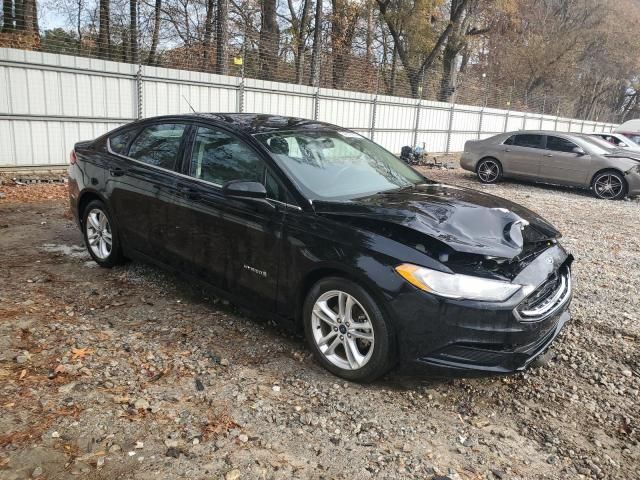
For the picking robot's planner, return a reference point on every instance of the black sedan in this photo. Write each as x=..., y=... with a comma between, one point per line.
x=328, y=232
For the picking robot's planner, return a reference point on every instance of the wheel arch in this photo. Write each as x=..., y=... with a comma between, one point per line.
x=314, y=276
x=489, y=157
x=85, y=198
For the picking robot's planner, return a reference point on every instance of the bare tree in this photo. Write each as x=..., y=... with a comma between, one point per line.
x=222, y=37
x=208, y=31
x=415, y=59
x=155, y=35
x=8, y=18
x=104, y=35
x=269, y=39
x=133, y=30
x=299, y=25
x=317, y=46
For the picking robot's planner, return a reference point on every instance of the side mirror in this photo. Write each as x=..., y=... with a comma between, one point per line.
x=578, y=151
x=244, y=189
x=622, y=144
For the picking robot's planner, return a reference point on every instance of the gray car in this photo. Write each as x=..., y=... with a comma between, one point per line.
x=555, y=157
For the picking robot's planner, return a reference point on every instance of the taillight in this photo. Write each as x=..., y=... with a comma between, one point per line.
x=73, y=157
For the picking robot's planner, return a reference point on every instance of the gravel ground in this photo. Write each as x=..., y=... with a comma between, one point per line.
x=132, y=373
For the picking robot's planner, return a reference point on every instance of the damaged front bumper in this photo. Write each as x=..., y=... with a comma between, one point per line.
x=632, y=177
x=468, y=337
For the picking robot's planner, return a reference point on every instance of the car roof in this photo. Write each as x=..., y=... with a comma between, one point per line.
x=540, y=132
x=252, y=123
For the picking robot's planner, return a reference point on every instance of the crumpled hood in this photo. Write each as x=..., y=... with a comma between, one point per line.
x=466, y=220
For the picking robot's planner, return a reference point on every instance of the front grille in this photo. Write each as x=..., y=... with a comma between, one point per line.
x=547, y=298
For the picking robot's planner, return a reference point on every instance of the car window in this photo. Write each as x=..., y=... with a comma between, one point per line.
x=219, y=157
x=559, y=144
x=119, y=143
x=158, y=145
x=528, y=140
x=510, y=140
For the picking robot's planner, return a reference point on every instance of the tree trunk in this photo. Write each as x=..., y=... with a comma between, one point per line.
x=300, y=40
x=448, y=82
x=19, y=14
x=222, y=38
x=79, y=25
x=156, y=33
x=27, y=16
x=269, y=40
x=104, y=35
x=133, y=30
x=8, y=23
x=317, y=47
x=370, y=27
x=208, y=32
x=394, y=68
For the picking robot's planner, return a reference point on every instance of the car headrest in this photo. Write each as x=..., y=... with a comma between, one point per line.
x=279, y=146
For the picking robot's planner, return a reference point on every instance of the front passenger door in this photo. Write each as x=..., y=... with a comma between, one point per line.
x=562, y=164
x=234, y=244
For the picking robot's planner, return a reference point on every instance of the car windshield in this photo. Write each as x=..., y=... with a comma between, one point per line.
x=634, y=137
x=598, y=145
x=337, y=164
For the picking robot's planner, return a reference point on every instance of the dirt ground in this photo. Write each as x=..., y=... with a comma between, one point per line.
x=134, y=373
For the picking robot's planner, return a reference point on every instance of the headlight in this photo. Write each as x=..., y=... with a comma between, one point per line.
x=456, y=286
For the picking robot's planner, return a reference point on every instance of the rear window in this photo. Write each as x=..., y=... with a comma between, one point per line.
x=527, y=140
x=119, y=143
x=158, y=145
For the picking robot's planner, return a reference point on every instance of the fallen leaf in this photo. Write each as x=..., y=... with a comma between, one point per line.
x=80, y=353
x=23, y=374
x=59, y=369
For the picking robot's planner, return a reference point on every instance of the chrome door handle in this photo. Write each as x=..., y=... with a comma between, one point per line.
x=548, y=155
x=507, y=149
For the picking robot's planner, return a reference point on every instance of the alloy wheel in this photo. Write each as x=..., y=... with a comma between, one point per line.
x=608, y=186
x=99, y=233
x=342, y=330
x=489, y=171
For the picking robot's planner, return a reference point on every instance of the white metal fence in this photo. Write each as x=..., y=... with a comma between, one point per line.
x=50, y=101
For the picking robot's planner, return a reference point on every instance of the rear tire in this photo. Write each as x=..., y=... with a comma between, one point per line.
x=347, y=331
x=101, y=235
x=489, y=170
x=609, y=185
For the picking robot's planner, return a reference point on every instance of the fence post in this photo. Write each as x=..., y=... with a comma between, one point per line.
x=506, y=119
x=417, y=123
x=316, y=104
x=139, y=99
x=374, y=107
x=582, y=127
x=450, y=128
x=480, y=122
x=241, y=96
x=524, y=121
x=569, y=130
x=555, y=124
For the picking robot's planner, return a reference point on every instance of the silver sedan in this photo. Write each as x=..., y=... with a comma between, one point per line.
x=554, y=157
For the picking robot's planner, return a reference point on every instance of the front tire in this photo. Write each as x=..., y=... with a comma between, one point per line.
x=489, y=170
x=101, y=235
x=609, y=185
x=347, y=331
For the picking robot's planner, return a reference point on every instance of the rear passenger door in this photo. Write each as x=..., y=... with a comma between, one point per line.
x=561, y=164
x=522, y=155
x=142, y=184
